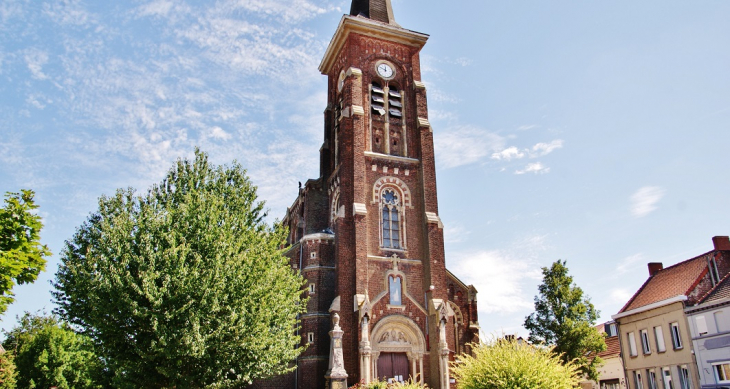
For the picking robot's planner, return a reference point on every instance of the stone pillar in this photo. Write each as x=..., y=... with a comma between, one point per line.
x=336, y=375
x=365, y=351
x=420, y=368
x=443, y=355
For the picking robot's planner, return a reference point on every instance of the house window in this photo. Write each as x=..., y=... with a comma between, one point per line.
x=651, y=376
x=310, y=337
x=645, y=341
x=701, y=325
x=659, y=336
x=637, y=380
x=676, y=337
x=722, y=372
x=394, y=284
x=610, y=329
x=684, y=381
x=632, y=344
x=668, y=379
x=721, y=321
x=391, y=219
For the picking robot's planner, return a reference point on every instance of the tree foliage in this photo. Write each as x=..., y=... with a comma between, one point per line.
x=186, y=285
x=7, y=371
x=508, y=364
x=21, y=253
x=565, y=318
x=48, y=353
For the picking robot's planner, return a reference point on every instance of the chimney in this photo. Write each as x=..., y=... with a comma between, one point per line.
x=721, y=242
x=655, y=267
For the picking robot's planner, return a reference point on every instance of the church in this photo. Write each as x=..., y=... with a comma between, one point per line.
x=366, y=235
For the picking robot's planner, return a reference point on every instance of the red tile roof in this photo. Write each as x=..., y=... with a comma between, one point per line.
x=670, y=282
x=612, y=348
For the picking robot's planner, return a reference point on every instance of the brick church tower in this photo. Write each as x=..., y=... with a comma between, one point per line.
x=366, y=234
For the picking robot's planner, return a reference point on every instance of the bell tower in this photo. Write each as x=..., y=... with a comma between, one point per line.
x=367, y=234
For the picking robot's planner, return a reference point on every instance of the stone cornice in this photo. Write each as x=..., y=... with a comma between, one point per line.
x=352, y=24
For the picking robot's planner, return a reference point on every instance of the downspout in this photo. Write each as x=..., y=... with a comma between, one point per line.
x=621, y=351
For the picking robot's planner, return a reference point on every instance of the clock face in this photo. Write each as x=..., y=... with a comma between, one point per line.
x=385, y=70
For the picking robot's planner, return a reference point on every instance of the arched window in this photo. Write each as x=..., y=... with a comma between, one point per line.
x=391, y=220
x=396, y=291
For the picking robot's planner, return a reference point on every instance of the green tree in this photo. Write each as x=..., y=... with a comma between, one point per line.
x=49, y=353
x=7, y=371
x=508, y=364
x=186, y=285
x=565, y=318
x=21, y=253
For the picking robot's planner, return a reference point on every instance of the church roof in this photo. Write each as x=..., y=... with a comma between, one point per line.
x=378, y=10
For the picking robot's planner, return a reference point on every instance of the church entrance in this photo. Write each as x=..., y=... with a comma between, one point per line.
x=393, y=367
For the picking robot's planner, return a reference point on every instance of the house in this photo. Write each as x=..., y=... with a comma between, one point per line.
x=709, y=323
x=366, y=234
x=611, y=373
x=654, y=333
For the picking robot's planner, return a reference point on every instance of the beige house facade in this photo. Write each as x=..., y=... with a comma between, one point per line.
x=656, y=339
x=656, y=346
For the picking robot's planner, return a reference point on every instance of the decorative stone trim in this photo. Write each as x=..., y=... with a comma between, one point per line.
x=434, y=219
x=390, y=181
x=357, y=110
x=391, y=157
x=359, y=209
x=353, y=71
x=390, y=259
x=318, y=237
x=418, y=85
x=423, y=123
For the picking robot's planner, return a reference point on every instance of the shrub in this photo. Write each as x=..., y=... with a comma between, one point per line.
x=412, y=383
x=508, y=364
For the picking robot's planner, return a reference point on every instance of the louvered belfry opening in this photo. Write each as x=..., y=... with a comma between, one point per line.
x=380, y=10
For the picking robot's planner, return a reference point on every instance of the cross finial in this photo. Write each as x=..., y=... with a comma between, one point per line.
x=395, y=260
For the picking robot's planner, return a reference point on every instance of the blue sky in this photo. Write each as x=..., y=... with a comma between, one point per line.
x=594, y=132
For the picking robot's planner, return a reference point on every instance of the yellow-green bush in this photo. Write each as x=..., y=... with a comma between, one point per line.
x=507, y=364
x=410, y=384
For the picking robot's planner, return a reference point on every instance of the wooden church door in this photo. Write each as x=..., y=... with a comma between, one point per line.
x=393, y=365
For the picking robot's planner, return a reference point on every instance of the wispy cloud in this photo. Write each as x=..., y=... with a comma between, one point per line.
x=620, y=296
x=542, y=149
x=537, y=168
x=501, y=276
x=36, y=59
x=463, y=145
x=538, y=150
x=645, y=200
x=498, y=277
x=508, y=154
x=629, y=263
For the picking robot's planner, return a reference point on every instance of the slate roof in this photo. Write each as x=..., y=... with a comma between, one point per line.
x=719, y=292
x=670, y=282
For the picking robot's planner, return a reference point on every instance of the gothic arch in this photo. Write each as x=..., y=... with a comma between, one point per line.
x=336, y=209
x=399, y=334
x=395, y=183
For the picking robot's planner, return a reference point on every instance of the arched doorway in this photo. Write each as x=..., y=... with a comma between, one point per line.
x=393, y=367
x=398, y=346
